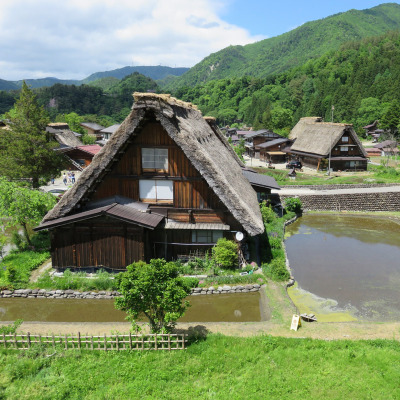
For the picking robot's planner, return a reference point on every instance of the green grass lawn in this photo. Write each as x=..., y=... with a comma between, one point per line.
x=376, y=174
x=220, y=367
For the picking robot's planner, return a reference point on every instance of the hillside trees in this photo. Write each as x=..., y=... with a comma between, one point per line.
x=26, y=149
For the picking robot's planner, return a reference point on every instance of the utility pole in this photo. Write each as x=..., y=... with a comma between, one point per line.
x=330, y=147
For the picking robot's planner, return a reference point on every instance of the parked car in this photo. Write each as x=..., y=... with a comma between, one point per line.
x=294, y=164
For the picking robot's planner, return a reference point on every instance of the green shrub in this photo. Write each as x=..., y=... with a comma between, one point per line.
x=275, y=242
x=276, y=270
x=225, y=253
x=293, y=204
x=268, y=214
x=12, y=328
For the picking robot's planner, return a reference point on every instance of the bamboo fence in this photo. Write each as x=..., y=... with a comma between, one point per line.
x=89, y=342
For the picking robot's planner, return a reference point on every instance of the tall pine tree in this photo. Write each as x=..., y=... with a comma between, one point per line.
x=26, y=149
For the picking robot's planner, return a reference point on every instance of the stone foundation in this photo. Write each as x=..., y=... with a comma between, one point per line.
x=72, y=294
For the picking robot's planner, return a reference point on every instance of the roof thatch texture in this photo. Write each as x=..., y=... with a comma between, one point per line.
x=66, y=137
x=206, y=151
x=317, y=137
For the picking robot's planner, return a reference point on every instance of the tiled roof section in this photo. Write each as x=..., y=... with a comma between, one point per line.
x=272, y=143
x=110, y=129
x=92, y=125
x=90, y=148
x=202, y=226
x=260, y=180
x=118, y=211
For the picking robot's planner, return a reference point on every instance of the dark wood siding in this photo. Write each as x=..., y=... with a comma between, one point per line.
x=97, y=244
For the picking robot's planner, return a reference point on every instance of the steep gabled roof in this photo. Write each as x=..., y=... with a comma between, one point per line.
x=202, y=146
x=317, y=137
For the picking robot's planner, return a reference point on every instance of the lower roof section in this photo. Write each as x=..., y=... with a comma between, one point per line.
x=117, y=211
x=202, y=226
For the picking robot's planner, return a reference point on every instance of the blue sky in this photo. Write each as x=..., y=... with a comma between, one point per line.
x=72, y=39
x=272, y=18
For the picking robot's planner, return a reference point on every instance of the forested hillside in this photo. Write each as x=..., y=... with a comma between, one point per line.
x=361, y=79
x=277, y=54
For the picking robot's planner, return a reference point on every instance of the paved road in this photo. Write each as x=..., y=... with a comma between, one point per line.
x=306, y=191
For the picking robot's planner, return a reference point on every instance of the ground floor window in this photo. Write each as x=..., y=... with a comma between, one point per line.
x=203, y=236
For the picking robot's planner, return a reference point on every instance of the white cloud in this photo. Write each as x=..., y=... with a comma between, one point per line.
x=74, y=38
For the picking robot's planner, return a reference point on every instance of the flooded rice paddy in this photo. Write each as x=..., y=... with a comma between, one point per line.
x=234, y=307
x=346, y=267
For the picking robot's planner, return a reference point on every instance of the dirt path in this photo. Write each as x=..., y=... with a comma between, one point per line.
x=39, y=271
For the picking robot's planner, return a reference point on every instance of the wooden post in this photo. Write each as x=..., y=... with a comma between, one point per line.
x=319, y=161
x=91, y=342
x=169, y=341
x=54, y=343
x=142, y=342
x=155, y=341
x=130, y=341
x=105, y=342
x=29, y=340
x=79, y=340
x=40, y=339
x=117, y=342
x=15, y=340
x=66, y=343
x=5, y=342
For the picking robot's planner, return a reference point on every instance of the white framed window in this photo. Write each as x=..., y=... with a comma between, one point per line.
x=344, y=148
x=154, y=159
x=156, y=191
x=345, y=139
x=203, y=236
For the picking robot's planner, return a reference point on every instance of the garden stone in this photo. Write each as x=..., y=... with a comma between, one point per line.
x=232, y=291
x=197, y=290
x=219, y=288
x=248, y=287
x=240, y=287
x=42, y=291
x=68, y=291
x=254, y=290
x=60, y=291
x=216, y=292
x=256, y=285
x=89, y=296
x=226, y=288
x=19, y=291
x=35, y=291
x=195, y=294
x=7, y=292
x=245, y=290
x=211, y=288
x=102, y=292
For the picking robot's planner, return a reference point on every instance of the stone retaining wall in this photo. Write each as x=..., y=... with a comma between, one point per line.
x=72, y=294
x=350, y=202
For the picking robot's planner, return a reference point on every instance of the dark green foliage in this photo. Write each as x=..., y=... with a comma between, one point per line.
x=155, y=290
x=225, y=254
x=276, y=270
x=293, y=204
x=87, y=139
x=294, y=48
x=7, y=101
x=360, y=79
x=26, y=150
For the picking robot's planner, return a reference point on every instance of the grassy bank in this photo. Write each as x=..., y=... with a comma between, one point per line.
x=217, y=368
x=375, y=174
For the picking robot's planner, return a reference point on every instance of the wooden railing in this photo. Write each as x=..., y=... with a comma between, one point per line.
x=89, y=342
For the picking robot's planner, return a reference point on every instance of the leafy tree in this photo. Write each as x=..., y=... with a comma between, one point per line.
x=240, y=149
x=225, y=253
x=26, y=150
x=391, y=119
x=155, y=290
x=20, y=206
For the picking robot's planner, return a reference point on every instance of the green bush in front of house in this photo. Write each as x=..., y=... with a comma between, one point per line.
x=293, y=204
x=276, y=270
x=225, y=254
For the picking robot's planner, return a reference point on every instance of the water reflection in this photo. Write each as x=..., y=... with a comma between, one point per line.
x=351, y=259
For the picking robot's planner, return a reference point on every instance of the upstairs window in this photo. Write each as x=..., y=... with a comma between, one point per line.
x=154, y=191
x=345, y=139
x=344, y=148
x=154, y=160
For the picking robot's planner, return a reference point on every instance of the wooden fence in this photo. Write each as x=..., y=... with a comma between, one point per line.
x=89, y=342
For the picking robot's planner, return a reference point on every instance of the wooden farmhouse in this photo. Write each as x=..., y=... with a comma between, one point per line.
x=93, y=129
x=254, y=138
x=166, y=184
x=315, y=142
x=274, y=151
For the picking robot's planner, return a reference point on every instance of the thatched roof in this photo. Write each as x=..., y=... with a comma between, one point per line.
x=204, y=148
x=316, y=137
